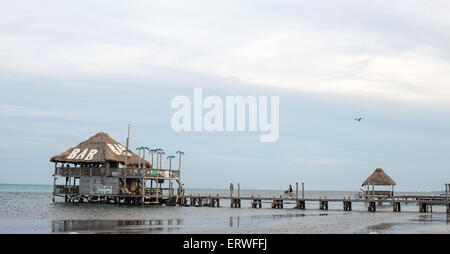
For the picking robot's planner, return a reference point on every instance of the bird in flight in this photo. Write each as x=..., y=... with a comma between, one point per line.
x=358, y=119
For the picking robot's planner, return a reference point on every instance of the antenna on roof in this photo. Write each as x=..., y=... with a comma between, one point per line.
x=128, y=137
x=126, y=150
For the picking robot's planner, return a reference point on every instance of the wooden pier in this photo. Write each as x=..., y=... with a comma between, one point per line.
x=425, y=203
x=101, y=170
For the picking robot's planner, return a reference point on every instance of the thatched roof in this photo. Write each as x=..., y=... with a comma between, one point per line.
x=379, y=177
x=99, y=148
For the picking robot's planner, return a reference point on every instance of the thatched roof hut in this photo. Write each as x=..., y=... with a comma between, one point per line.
x=99, y=149
x=379, y=178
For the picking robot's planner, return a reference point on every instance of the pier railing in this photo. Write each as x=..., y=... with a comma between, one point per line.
x=120, y=172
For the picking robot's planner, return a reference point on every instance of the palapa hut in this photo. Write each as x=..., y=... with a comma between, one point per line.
x=101, y=150
x=379, y=178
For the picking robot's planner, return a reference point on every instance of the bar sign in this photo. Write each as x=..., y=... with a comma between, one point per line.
x=104, y=189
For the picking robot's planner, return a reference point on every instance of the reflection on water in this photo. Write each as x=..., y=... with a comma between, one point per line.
x=115, y=226
x=428, y=218
x=169, y=225
x=382, y=226
x=236, y=221
x=402, y=227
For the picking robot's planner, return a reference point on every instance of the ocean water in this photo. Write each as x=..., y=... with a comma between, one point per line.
x=29, y=209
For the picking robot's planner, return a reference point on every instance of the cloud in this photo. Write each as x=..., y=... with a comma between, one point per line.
x=396, y=51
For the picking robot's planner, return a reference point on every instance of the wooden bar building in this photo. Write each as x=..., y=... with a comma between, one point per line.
x=103, y=170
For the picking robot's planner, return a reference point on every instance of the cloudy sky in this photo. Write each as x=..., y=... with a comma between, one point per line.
x=71, y=69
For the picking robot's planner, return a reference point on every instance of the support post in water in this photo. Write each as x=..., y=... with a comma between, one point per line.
x=397, y=207
x=303, y=190
x=372, y=206
x=323, y=205
x=347, y=205
x=446, y=198
x=423, y=207
x=239, y=189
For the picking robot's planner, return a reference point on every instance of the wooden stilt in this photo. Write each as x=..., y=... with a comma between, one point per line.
x=372, y=207
x=397, y=207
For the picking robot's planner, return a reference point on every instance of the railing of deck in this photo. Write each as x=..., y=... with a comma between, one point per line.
x=103, y=171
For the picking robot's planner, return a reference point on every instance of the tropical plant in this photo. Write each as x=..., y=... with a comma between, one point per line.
x=160, y=158
x=152, y=151
x=143, y=157
x=170, y=157
x=139, y=155
x=179, y=164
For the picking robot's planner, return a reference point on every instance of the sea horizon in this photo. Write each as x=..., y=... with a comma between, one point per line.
x=246, y=189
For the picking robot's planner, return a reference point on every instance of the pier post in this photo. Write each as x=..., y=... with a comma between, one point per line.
x=446, y=198
x=372, y=207
x=143, y=190
x=303, y=190
x=277, y=203
x=54, y=181
x=65, y=191
x=423, y=207
x=397, y=207
x=347, y=205
x=254, y=202
x=239, y=190
x=323, y=205
x=296, y=190
x=54, y=188
x=301, y=204
x=218, y=201
x=236, y=203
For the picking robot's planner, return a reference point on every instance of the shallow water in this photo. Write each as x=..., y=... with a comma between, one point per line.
x=29, y=209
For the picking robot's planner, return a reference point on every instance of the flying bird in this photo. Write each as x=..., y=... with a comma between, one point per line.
x=358, y=119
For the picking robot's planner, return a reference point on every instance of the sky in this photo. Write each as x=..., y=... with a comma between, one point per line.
x=71, y=69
